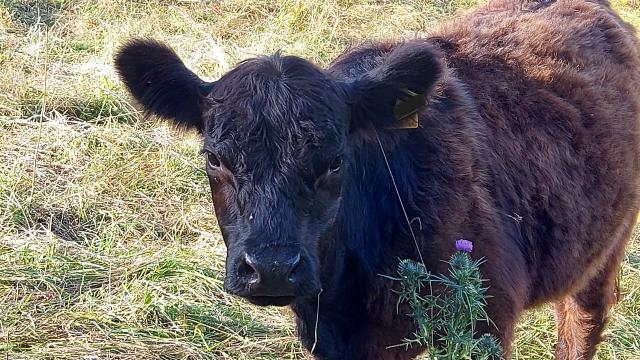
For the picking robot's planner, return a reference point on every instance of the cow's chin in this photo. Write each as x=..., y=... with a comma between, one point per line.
x=271, y=300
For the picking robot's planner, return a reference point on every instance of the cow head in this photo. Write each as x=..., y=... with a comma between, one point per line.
x=278, y=137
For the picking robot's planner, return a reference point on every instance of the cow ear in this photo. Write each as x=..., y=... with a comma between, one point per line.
x=161, y=83
x=410, y=71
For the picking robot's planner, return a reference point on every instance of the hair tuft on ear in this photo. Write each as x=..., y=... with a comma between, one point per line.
x=415, y=66
x=160, y=82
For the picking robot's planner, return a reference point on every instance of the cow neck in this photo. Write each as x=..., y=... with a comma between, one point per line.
x=371, y=221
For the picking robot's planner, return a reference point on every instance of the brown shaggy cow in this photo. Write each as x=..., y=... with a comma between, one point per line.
x=528, y=146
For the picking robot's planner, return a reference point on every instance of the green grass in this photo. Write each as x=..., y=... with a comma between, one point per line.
x=108, y=244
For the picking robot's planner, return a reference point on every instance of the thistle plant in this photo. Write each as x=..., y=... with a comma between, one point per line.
x=446, y=321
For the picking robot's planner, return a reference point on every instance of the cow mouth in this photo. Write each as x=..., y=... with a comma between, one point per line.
x=271, y=300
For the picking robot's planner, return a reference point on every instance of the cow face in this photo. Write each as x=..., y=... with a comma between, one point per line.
x=278, y=137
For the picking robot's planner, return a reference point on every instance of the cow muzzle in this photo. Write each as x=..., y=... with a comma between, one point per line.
x=271, y=276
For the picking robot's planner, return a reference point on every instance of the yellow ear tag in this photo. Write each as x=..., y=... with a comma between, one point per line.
x=407, y=110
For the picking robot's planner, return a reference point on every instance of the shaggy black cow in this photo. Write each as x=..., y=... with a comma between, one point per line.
x=528, y=146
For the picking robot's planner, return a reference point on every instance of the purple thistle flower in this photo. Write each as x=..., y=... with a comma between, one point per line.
x=464, y=245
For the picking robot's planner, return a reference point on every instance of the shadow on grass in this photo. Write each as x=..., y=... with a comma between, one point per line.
x=71, y=227
x=67, y=225
x=633, y=259
x=91, y=108
x=28, y=13
x=215, y=320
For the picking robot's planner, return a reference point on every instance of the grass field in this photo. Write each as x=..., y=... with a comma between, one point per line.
x=108, y=245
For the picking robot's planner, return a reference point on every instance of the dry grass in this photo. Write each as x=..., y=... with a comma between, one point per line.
x=108, y=245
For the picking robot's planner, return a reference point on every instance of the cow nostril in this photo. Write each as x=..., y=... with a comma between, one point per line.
x=249, y=269
x=293, y=265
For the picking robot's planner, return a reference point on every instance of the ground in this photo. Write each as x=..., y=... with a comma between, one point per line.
x=109, y=248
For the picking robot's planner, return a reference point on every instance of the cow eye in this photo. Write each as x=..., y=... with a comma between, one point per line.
x=335, y=165
x=213, y=161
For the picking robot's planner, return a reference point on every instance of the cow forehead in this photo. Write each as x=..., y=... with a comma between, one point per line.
x=275, y=110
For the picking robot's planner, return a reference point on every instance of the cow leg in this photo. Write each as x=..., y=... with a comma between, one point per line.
x=507, y=293
x=581, y=318
x=502, y=325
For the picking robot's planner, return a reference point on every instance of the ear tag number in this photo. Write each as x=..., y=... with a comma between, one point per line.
x=407, y=110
